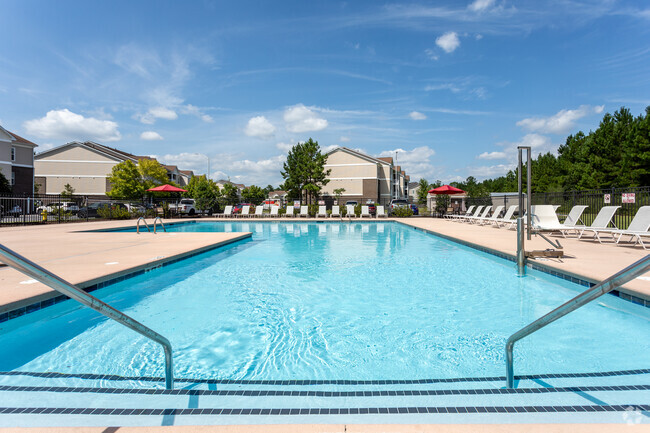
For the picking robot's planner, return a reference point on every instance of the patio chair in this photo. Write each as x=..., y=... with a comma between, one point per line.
x=274, y=211
x=467, y=213
x=492, y=219
x=476, y=214
x=474, y=218
x=304, y=211
x=322, y=212
x=290, y=211
x=601, y=222
x=365, y=212
x=381, y=213
x=259, y=211
x=350, y=211
x=544, y=219
x=245, y=211
x=507, y=218
x=226, y=212
x=638, y=228
x=336, y=212
x=574, y=219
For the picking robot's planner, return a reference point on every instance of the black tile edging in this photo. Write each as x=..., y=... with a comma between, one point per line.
x=336, y=394
x=21, y=311
x=535, y=266
x=327, y=411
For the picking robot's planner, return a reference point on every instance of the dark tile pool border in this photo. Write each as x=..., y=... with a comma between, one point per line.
x=535, y=266
x=21, y=311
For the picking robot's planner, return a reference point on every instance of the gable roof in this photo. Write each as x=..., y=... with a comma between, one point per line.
x=96, y=147
x=17, y=138
x=360, y=155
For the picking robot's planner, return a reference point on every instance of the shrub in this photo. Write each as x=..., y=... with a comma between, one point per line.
x=282, y=211
x=402, y=212
x=357, y=210
x=113, y=212
x=313, y=210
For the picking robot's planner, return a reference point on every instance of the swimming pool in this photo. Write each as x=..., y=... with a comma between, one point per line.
x=332, y=301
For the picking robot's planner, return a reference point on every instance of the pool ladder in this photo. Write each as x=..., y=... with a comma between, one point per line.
x=144, y=221
x=42, y=275
x=615, y=281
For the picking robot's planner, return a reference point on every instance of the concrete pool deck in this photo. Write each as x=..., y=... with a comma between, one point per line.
x=86, y=258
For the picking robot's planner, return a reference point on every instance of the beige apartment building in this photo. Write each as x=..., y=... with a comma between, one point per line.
x=86, y=167
x=364, y=178
x=17, y=161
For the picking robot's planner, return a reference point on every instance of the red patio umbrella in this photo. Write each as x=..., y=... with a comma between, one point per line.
x=446, y=189
x=167, y=188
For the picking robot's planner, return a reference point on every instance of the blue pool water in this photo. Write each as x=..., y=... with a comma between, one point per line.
x=366, y=301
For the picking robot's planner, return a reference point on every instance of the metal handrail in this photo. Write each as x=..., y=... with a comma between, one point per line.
x=161, y=223
x=137, y=225
x=634, y=270
x=31, y=269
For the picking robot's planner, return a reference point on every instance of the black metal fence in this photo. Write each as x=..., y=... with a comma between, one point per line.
x=629, y=200
x=44, y=209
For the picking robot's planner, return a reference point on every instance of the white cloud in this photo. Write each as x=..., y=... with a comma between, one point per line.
x=431, y=54
x=445, y=86
x=490, y=170
x=150, y=135
x=478, y=36
x=480, y=5
x=416, y=115
x=285, y=147
x=149, y=118
x=416, y=163
x=492, y=155
x=302, y=119
x=561, y=122
x=259, y=126
x=196, y=111
x=66, y=125
x=344, y=139
x=448, y=42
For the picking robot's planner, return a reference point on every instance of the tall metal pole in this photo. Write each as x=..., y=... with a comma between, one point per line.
x=529, y=196
x=521, y=254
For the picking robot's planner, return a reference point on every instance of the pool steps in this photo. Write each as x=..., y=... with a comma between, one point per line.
x=32, y=401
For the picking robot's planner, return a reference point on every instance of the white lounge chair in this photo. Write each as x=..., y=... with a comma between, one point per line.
x=467, y=213
x=507, y=218
x=365, y=212
x=322, y=212
x=637, y=229
x=544, y=219
x=381, y=213
x=274, y=211
x=227, y=211
x=492, y=219
x=304, y=211
x=245, y=211
x=601, y=222
x=350, y=211
x=259, y=211
x=476, y=214
x=574, y=219
x=290, y=211
x=484, y=215
x=336, y=212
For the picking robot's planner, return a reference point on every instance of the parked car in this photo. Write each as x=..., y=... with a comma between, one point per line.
x=187, y=206
x=395, y=203
x=237, y=208
x=91, y=211
x=14, y=211
x=415, y=209
x=64, y=206
x=351, y=202
x=372, y=208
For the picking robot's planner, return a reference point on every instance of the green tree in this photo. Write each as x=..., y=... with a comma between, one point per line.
x=152, y=173
x=253, y=194
x=68, y=191
x=205, y=193
x=268, y=190
x=338, y=192
x=230, y=194
x=126, y=181
x=304, y=171
x=423, y=191
x=5, y=186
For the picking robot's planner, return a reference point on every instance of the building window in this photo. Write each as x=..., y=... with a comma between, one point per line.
x=13, y=153
x=13, y=178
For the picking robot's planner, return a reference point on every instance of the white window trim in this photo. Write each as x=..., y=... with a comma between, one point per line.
x=16, y=165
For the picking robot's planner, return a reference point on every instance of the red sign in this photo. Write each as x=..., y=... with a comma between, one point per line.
x=628, y=197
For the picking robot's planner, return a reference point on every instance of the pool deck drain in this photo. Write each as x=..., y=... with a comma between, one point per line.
x=88, y=258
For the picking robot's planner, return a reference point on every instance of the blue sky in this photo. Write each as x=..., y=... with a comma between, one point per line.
x=453, y=87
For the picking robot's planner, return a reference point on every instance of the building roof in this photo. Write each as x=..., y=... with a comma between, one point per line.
x=278, y=192
x=187, y=172
x=21, y=140
x=388, y=159
x=360, y=155
x=413, y=184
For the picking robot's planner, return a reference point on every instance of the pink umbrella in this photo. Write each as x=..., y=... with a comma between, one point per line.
x=167, y=188
x=446, y=189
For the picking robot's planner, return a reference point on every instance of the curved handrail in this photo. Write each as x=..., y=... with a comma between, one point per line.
x=31, y=269
x=161, y=223
x=634, y=270
x=137, y=225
